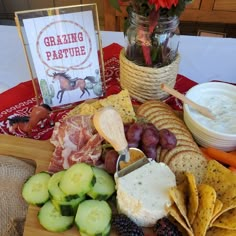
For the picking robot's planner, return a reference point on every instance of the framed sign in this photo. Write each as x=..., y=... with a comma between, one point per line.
x=64, y=53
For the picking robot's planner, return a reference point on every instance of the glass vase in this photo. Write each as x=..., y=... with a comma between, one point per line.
x=152, y=42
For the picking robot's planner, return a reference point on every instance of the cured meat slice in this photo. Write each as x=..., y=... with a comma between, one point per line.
x=75, y=140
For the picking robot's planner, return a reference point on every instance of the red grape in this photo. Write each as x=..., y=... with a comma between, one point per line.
x=150, y=151
x=110, y=160
x=126, y=127
x=167, y=139
x=134, y=132
x=150, y=137
x=150, y=126
x=133, y=145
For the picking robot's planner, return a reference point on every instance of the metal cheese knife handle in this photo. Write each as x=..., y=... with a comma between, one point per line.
x=109, y=125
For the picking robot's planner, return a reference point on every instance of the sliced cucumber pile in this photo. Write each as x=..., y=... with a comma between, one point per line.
x=93, y=218
x=72, y=195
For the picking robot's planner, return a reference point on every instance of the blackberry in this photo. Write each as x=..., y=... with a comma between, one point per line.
x=164, y=227
x=125, y=226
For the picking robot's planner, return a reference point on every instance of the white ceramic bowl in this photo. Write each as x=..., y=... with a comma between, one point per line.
x=220, y=98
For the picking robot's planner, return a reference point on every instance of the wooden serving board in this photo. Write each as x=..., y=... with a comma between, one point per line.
x=40, y=153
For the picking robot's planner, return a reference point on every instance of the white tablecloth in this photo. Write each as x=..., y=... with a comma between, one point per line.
x=202, y=58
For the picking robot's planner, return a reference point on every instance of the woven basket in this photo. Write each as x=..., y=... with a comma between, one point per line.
x=143, y=83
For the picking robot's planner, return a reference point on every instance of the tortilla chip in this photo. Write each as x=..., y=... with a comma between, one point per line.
x=217, y=210
x=226, y=220
x=229, y=198
x=179, y=198
x=174, y=212
x=220, y=232
x=192, y=192
x=207, y=198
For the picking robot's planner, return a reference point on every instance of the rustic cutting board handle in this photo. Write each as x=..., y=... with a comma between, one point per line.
x=36, y=150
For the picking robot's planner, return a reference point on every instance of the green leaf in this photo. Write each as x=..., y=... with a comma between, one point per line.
x=115, y=4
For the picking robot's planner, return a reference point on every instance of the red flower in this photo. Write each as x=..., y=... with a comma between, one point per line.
x=163, y=3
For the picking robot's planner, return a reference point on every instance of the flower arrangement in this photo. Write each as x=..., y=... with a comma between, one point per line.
x=147, y=7
x=154, y=44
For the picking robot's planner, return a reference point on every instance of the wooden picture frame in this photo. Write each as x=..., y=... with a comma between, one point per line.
x=64, y=53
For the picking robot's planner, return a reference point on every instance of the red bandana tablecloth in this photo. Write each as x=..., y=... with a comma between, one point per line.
x=20, y=99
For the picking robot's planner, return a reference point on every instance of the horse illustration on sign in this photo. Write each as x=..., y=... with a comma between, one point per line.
x=67, y=84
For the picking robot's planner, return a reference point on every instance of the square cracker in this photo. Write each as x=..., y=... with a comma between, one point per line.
x=122, y=103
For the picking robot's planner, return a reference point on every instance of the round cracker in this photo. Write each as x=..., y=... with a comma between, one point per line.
x=180, y=131
x=162, y=154
x=188, y=143
x=156, y=108
x=175, y=127
x=158, y=153
x=174, y=151
x=176, y=121
x=161, y=120
x=159, y=115
x=151, y=114
x=151, y=103
x=188, y=161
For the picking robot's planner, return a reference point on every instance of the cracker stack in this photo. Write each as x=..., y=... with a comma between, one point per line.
x=186, y=156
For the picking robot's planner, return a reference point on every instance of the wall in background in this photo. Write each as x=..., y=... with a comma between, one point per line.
x=8, y=7
x=209, y=15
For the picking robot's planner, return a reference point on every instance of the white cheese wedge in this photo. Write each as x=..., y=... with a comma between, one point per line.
x=143, y=196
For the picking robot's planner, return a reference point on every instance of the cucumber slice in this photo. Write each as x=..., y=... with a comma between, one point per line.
x=93, y=217
x=35, y=189
x=52, y=220
x=106, y=232
x=77, y=180
x=67, y=208
x=53, y=187
x=104, y=186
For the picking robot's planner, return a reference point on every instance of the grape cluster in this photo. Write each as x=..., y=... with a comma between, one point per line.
x=125, y=226
x=147, y=137
x=144, y=136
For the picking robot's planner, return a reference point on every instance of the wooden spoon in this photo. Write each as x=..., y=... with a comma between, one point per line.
x=201, y=109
